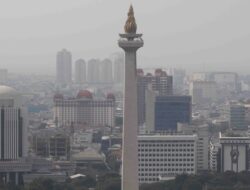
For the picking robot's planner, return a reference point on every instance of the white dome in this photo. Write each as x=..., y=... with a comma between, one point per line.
x=9, y=93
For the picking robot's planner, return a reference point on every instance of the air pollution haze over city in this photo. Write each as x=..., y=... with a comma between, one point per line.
x=194, y=35
x=124, y=95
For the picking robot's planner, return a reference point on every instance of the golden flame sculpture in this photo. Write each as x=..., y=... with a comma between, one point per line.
x=130, y=26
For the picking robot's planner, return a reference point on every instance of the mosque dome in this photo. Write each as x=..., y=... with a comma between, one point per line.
x=8, y=92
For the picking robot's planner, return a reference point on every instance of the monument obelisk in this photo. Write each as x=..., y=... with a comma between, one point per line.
x=130, y=42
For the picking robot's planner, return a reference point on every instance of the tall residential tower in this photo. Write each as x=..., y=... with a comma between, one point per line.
x=64, y=67
x=80, y=71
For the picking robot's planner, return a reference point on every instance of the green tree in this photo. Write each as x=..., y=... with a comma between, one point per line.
x=192, y=184
x=41, y=184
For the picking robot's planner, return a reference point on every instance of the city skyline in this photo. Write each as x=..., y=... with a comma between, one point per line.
x=210, y=41
x=130, y=120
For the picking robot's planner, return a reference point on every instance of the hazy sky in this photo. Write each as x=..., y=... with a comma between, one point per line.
x=194, y=34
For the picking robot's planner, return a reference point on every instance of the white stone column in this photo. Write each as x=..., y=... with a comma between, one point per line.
x=130, y=42
x=130, y=157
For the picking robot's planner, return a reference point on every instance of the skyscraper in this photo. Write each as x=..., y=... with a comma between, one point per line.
x=160, y=82
x=93, y=71
x=12, y=125
x=80, y=71
x=130, y=42
x=64, y=67
x=118, y=68
x=106, y=71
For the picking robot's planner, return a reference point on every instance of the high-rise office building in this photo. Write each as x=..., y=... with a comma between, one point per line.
x=13, y=125
x=238, y=116
x=130, y=42
x=163, y=113
x=80, y=71
x=160, y=82
x=106, y=71
x=64, y=67
x=178, y=79
x=93, y=71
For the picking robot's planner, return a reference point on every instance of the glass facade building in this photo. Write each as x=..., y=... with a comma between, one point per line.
x=170, y=110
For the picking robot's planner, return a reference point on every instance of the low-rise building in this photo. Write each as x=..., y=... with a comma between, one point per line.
x=51, y=143
x=234, y=152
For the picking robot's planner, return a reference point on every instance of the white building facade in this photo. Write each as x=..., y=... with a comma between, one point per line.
x=166, y=156
x=84, y=110
x=234, y=153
